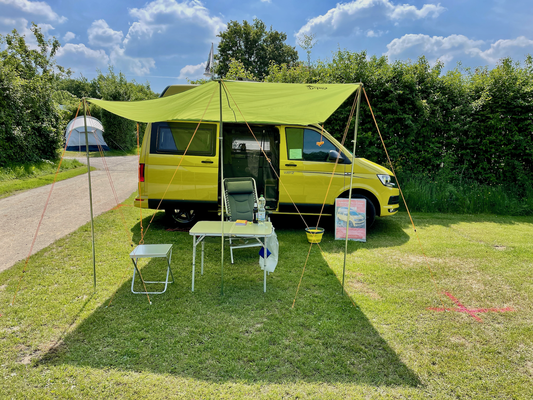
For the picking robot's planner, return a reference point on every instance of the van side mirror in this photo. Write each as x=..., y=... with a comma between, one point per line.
x=333, y=155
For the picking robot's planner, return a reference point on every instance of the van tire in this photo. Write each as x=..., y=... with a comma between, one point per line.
x=370, y=209
x=183, y=218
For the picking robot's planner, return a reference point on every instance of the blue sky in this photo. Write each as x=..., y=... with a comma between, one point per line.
x=165, y=42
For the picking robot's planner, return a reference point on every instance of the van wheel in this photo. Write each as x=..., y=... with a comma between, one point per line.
x=370, y=209
x=181, y=217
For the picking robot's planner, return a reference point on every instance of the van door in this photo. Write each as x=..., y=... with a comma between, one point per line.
x=308, y=171
x=196, y=180
x=243, y=157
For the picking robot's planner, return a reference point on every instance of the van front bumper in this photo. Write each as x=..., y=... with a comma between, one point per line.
x=389, y=210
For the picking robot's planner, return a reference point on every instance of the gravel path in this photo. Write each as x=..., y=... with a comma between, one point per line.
x=67, y=210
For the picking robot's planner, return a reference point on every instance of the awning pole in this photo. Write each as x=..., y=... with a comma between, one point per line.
x=90, y=188
x=220, y=149
x=351, y=183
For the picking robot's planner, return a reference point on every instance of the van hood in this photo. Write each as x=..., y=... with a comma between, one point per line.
x=372, y=166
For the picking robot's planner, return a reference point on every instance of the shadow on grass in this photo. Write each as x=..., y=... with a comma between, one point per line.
x=244, y=336
x=385, y=232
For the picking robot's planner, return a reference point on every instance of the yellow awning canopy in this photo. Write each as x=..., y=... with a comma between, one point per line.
x=252, y=102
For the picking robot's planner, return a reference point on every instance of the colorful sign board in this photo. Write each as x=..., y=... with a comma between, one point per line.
x=354, y=220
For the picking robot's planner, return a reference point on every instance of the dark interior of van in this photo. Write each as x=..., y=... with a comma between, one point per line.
x=243, y=157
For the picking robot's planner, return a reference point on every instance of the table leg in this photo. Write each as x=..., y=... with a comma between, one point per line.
x=202, y=268
x=134, y=269
x=193, y=259
x=264, y=265
x=169, y=269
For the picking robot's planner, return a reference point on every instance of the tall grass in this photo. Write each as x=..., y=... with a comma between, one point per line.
x=34, y=170
x=18, y=177
x=444, y=195
x=110, y=153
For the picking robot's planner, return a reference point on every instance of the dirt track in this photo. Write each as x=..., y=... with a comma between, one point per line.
x=67, y=210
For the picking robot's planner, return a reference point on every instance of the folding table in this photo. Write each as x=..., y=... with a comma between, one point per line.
x=204, y=229
x=151, y=251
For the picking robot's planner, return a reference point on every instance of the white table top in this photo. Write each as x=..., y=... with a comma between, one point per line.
x=214, y=228
x=151, y=250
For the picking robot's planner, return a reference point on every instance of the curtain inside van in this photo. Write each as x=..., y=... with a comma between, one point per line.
x=252, y=102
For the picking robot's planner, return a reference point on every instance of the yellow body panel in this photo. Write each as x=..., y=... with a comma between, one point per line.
x=301, y=182
x=307, y=182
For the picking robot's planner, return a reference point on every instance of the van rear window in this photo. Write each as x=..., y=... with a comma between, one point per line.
x=175, y=138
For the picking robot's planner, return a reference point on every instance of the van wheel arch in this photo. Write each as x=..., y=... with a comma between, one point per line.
x=372, y=211
x=182, y=217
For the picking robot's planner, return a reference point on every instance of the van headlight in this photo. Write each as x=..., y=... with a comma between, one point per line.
x=386, y=180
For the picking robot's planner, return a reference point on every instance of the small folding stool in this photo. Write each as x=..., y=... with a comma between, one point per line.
x=151, y=251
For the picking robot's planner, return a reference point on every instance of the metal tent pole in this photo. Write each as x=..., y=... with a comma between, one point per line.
x=351, y=182
x=220, y=149
x=90, y=188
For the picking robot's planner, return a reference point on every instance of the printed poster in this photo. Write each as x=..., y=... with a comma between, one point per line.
x=355, y=220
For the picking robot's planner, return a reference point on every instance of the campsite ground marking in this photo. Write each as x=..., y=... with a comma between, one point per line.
x=471, y=311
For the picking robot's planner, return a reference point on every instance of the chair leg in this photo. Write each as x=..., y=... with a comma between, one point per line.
x=231, y=250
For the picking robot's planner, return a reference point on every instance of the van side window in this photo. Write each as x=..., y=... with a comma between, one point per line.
x=295, y=143
x=174, y=137
x=307, y=145
x=166, y=141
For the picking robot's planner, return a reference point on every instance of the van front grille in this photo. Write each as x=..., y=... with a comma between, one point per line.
x=394, y=200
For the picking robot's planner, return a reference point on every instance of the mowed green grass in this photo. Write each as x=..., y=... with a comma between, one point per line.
x=376, y=340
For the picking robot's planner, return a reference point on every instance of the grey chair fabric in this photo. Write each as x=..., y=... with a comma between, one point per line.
x=240, y=196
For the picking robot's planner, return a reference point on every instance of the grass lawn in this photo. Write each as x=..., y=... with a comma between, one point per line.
x=380, y=340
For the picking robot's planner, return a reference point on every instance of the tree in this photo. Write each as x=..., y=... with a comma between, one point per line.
x=254, y=47
x=307, y=42
x=120, y=133
x=237, y=71
x=30, y=122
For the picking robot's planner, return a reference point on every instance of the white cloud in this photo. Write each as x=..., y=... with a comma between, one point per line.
x=431, y=44
x=8, y=24
x=192, y=72
x=456, y=47
x=23, y=28
x=406, y=11
x=167, y=28
x=39, y=8
x=163, y=30
x=69, y=36
x=85, y=60
x=101, y=35
x=266, y=1
x=514, y=48
x=137, y=65
x=372, y=33
x=351, y=18
x=80, y=58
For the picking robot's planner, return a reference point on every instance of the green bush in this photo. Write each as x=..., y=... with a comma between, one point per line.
x=30, y=121
x=475, y=124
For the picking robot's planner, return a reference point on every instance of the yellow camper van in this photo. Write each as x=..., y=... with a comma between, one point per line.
x=304, y=158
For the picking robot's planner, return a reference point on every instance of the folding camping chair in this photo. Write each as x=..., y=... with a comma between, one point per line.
x=240, y=196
